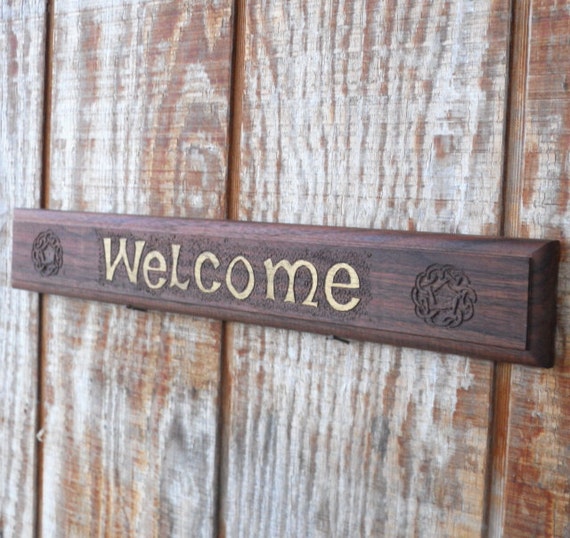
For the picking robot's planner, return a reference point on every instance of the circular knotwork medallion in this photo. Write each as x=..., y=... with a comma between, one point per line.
x=443, y=296
x=47, y=253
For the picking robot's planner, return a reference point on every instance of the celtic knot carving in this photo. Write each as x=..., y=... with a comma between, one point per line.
x=443, y=296
x=47, y=253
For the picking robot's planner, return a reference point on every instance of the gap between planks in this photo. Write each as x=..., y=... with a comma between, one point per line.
x=42, y=307
x=236, y=110
x=232, y=213
x=513, y=183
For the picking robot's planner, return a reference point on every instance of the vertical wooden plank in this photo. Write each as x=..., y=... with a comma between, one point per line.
x=536, y=496
x=22, y=33
x=371, y=114
x=139, y=125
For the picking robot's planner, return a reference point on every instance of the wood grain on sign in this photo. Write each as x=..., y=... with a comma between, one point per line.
x=22, y=49
x=139, y=124
x=536, y=498
x=379, y=115
x=479, y=296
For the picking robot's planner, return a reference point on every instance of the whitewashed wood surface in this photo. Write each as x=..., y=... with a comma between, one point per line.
x=387, y=115
x=139, y=124
x=536, y=497
x=428, y=115
x=22, y=52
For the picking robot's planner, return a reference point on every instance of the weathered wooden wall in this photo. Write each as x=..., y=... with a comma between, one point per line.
x=428, y=115
x=373, y=114
x=22, y=46
x=139, y=123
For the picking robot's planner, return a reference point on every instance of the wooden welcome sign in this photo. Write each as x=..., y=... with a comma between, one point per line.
x=484, y=297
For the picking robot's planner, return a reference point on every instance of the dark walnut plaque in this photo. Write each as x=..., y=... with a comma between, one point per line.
x=484, y=297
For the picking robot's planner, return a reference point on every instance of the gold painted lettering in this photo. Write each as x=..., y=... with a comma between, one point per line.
x=148, y=267
x=133, y=269
x=291, y=271
x=212, y=258
x=250, y=283
x=352, y=284
x=174, y=278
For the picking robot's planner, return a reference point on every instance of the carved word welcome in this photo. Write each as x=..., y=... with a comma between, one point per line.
x=152, y=268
